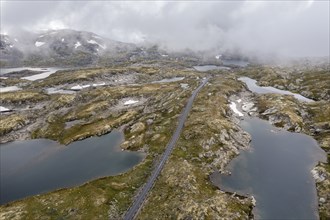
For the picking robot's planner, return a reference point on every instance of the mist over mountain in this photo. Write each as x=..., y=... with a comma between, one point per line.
x=60, y=47
x=252, y=28
x=67, y=47
x=164, y=109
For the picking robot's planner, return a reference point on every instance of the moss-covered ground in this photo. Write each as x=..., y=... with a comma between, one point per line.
x=209, y=139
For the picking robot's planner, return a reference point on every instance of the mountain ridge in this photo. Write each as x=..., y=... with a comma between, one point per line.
x=64, y=47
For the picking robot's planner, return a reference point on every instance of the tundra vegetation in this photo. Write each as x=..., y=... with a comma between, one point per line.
x=210, y=139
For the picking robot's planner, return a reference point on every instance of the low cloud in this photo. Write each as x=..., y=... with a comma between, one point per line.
x=284, y=28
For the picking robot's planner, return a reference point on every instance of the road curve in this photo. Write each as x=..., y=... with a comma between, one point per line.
x=138, y=202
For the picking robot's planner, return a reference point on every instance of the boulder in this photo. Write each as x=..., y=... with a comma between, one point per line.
x=137, y=128
x=270, y=111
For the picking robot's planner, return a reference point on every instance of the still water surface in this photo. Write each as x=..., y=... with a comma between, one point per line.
x=45, y=72
x=276, y=171
x=37, y=166
x=253, y=87
x=204, y=68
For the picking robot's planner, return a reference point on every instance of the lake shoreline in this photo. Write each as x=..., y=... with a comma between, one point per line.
x=211, y=139
x=248, y=103
x=81, y=162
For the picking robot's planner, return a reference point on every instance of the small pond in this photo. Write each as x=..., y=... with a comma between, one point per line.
x=239, y=63
x=253, y=87
x=205, y=68
x=226, y=65
x=9, y=89
x=276, y=171
x=38, y=166
x=45, y=72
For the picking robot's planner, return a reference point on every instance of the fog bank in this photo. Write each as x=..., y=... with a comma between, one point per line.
x=256, y=28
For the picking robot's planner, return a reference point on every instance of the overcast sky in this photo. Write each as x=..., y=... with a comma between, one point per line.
x=297, y=28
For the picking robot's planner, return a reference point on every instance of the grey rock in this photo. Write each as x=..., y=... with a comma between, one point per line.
x=322, y=200
x=270, y=111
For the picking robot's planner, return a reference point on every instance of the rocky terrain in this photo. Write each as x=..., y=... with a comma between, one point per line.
x=209, y=141
x=131, y=97
x=101, y=106
x=147, y=124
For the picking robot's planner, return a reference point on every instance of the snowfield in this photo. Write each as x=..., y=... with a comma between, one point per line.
x=78, y=44
x=4, y=109
x=130, y=102
x=9, y=89
x=39, y=43
x=94, y=42
x=79, y=87
x=235, y=110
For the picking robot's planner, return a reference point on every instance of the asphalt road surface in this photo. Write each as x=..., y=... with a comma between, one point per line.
x=139, y=199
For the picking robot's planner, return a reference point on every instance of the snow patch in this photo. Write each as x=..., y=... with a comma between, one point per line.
x=9, y=89
x=3, y=109
x=15, y=40
x=103, y=46
x=234, y=108
x=218, y=56
x=39, y=43
x=239, y=101
x=62, y=40
x=99, y=84
x=130, y=102
x=78, y=44
x=59, y=91
x=98, y=37
x=94, y=42
x=79, y=87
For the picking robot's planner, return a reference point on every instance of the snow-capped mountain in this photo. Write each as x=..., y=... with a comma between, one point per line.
x=64, y=47
x=8, y=51
x=64, y=42
x=68, y=47
x=5, y=42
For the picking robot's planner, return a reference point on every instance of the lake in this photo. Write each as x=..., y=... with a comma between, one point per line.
x=204, y=68
x=38, y=166
x=45, y=72
x=239, y=63
x=276, y=171
x=253, y=87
